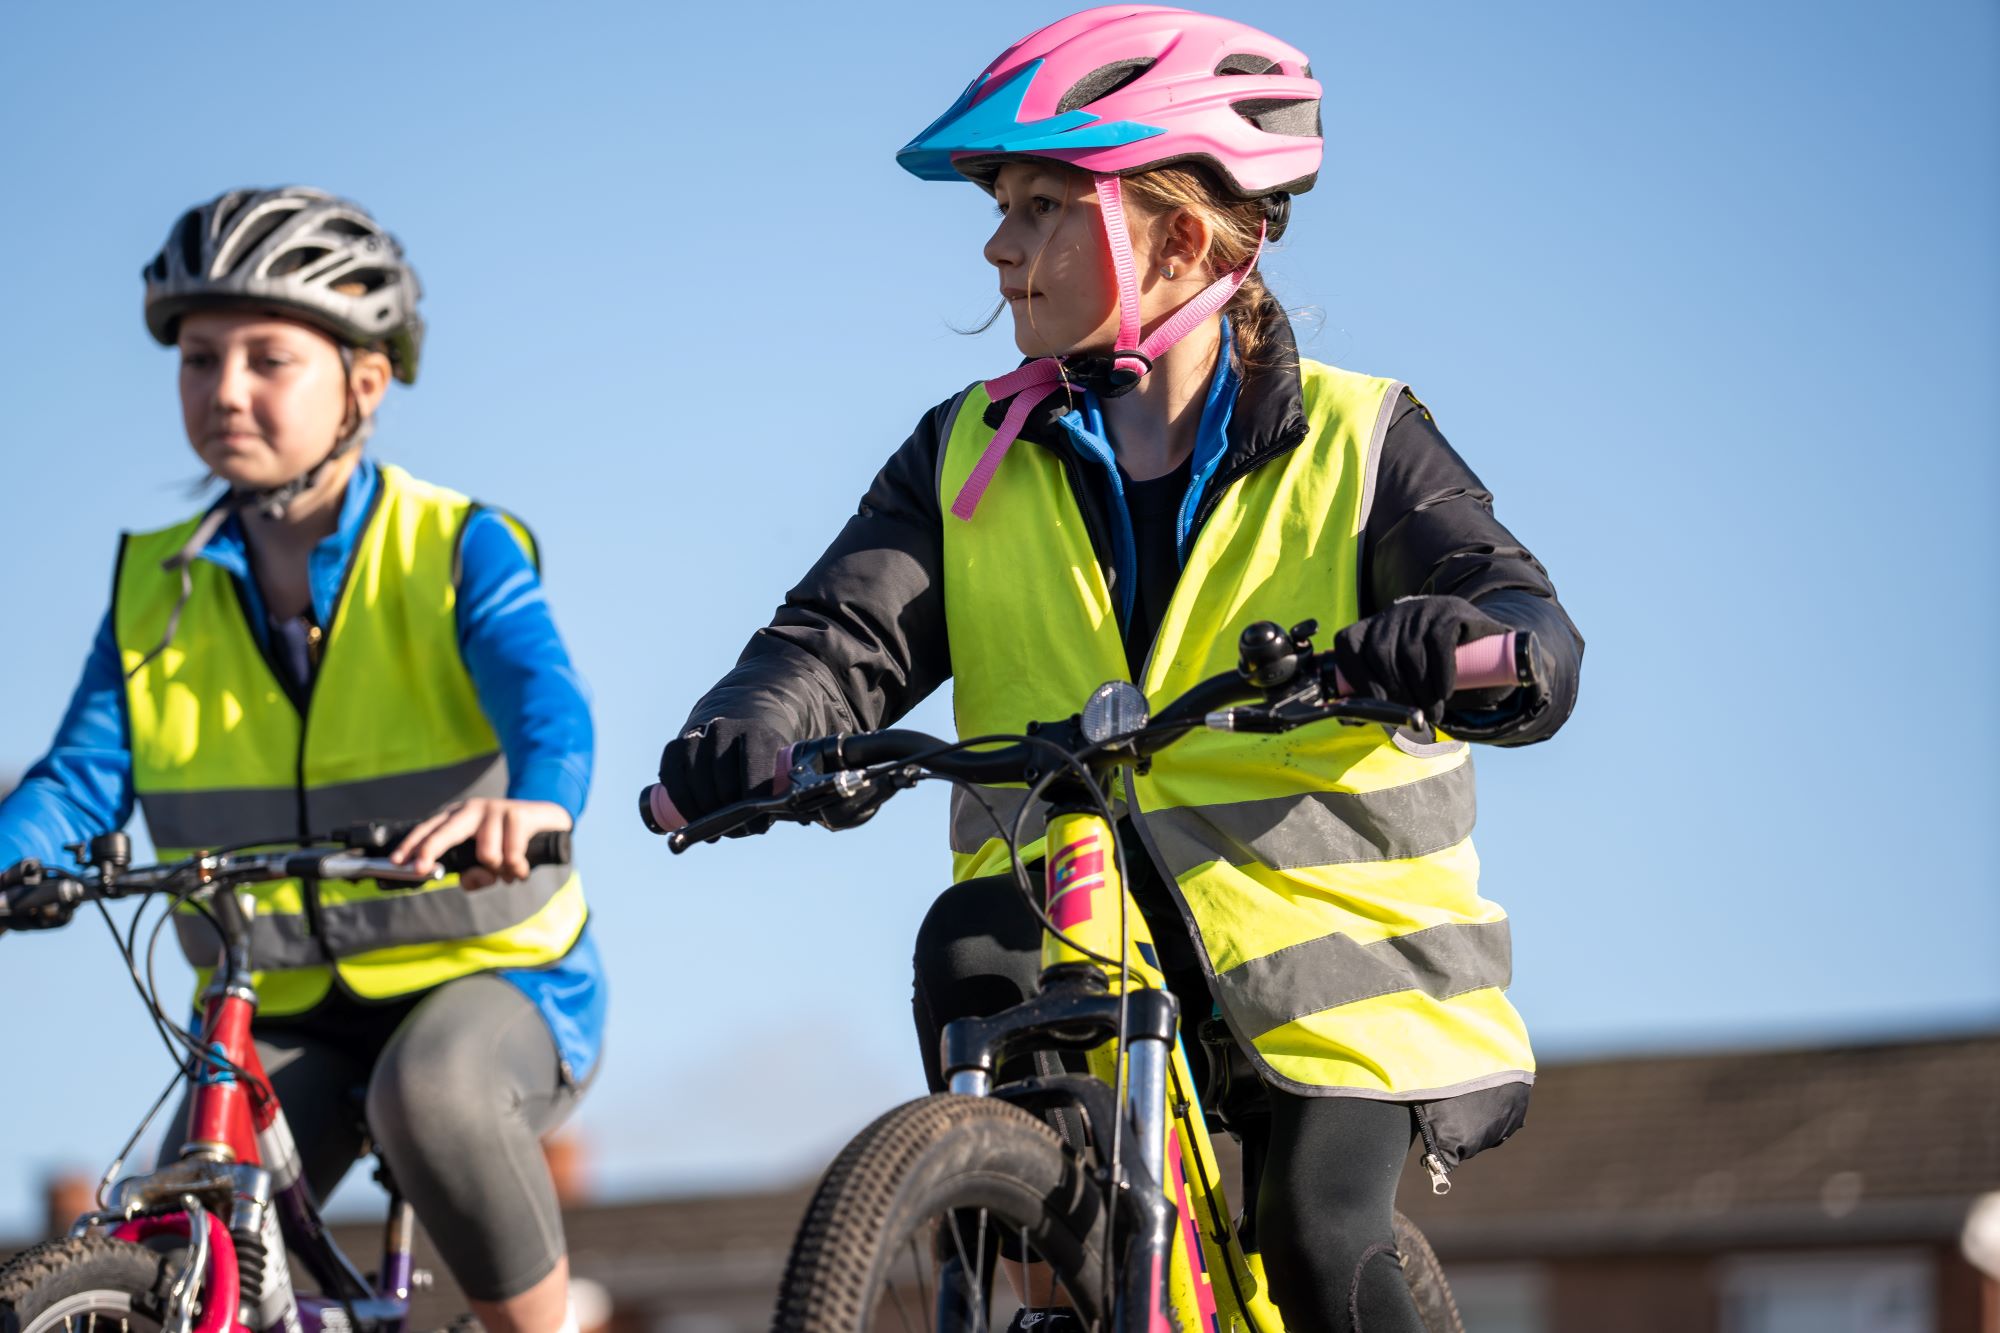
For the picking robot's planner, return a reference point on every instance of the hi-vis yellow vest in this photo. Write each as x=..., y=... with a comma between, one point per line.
x=393, y=730
x=1327, y=875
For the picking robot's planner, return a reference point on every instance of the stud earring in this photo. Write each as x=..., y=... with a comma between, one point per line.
x=1167, y=272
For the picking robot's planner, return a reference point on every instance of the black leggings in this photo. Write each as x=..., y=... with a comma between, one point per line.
x=458, y=1085
x=1325, y=1173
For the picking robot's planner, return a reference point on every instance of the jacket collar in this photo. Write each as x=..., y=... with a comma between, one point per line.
x=326, y=568
x=1268, y=420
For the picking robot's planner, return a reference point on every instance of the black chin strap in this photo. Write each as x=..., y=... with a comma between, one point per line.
x=271, y=503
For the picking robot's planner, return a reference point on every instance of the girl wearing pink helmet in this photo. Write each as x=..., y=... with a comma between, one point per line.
x=1163, y=470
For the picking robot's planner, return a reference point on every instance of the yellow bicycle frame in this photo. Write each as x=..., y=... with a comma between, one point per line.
x=1214, y=1284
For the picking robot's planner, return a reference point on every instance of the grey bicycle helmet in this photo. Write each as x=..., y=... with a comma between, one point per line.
x=298, y=251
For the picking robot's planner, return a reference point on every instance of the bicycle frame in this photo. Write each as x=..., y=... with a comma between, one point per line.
x=1183, y=1264
x=239, y=1184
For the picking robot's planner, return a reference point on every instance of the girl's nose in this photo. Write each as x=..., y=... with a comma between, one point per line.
x=232, y=382
x=1000, y=249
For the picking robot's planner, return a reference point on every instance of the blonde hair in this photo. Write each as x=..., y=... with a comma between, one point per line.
x=1255, y=317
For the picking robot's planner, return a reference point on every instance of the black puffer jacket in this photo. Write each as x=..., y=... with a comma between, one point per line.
x=861, y=640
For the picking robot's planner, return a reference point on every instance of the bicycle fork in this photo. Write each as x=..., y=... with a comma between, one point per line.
x=1078, y=1009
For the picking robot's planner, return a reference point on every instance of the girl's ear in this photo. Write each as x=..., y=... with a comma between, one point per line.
x=1186, y=239
x=369, y=379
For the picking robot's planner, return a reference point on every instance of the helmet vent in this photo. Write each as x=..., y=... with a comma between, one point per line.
x=1245, y=64
x=244, y=241
x=1102, y=82
x=188, y=238
x=365, y=281
x=1281, y=115
x=295, y=259
x=226, y=210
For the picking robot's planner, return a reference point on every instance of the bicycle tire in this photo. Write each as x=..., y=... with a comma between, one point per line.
x=922, y=1164
x=1425, y=1276
x=60, y=1284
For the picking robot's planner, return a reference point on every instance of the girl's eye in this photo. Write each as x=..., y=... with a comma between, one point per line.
x=197, y=360
x=999, y=210
x=1044, y=204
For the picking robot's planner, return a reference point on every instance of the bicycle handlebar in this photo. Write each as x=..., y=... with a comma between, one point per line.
x=1277, y=667
x=31, y=891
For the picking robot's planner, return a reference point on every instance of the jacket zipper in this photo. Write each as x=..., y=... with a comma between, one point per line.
x=1433, y=1160
x=320, y=645
x=1211, y=495
x=317, y=645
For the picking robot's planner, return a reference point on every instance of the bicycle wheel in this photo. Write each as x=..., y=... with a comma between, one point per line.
x=918, y=1214
x=1425, y=1277
x=86, y=1284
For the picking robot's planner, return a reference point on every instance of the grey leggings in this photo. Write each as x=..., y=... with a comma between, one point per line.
x=459, y=1085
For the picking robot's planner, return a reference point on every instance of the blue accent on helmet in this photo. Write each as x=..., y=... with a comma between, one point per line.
x=994, y=125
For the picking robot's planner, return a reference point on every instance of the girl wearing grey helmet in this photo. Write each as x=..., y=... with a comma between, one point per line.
x=333, y=641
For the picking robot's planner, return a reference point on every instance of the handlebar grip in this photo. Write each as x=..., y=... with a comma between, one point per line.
x=544, y=849
x=659, y=814
x=1494, y=662
x=657, y=811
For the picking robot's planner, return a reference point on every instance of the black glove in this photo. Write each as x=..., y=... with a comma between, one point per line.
x=1406, y=653
x=720, y=762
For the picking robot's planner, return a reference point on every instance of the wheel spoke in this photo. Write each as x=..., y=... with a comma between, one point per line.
x=923, y=1290
x=982, y=1292
x=978, y=1301
x=902, y=1313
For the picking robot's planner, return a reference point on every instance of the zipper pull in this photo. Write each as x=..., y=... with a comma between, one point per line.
x=1440, y=1177
x=1433, y=1163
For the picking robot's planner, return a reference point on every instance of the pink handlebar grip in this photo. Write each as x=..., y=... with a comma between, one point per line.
x=1483, y=664
x=665, y=816
x=1488, y=663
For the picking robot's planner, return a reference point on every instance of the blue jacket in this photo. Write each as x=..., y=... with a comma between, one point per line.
x=526, y=684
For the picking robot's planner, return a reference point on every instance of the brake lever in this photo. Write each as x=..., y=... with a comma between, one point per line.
x=1300, y=709
x=799, y=803
x=808, y=798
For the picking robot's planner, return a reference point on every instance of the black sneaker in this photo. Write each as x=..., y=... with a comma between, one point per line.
x=1047, y=1321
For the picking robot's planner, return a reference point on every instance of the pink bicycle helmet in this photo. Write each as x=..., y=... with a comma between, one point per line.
x=1113, y=91
x=1126, y=88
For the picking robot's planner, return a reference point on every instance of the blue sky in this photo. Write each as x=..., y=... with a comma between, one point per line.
x=1708, y=293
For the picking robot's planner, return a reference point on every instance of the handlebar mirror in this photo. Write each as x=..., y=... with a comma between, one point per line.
x=1116, y=709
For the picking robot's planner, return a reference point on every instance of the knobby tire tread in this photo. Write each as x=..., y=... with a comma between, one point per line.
x=37, y=1277
x=1425, y=1277
x=846, y=1235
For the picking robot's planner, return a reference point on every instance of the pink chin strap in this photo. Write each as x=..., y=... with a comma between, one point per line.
x=1030, y=384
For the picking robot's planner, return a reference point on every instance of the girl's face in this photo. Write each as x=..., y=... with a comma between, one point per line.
x=1055, y=274
x=263, y=398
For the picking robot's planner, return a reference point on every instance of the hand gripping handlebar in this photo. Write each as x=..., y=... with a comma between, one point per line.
x=1271, y=659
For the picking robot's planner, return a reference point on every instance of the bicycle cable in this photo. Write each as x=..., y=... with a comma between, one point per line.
x=125, y=949
x=257, y=1088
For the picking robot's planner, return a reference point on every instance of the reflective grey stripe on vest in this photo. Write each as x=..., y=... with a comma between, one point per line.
x=1333, y=970
x=1320, y=828
x=972, y=827
x=430, y=916
x=221, y=817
